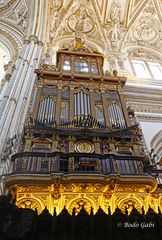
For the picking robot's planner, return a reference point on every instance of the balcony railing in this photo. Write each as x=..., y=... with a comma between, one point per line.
x=38, y=162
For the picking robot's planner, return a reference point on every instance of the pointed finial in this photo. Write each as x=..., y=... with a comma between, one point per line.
x=143, y=211
x=159, y=211
x=74, y=211
x=91, y=213
x=109, y=210
x=126, y=211
x=54, y=212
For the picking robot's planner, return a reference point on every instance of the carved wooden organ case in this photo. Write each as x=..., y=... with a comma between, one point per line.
x=80, y=142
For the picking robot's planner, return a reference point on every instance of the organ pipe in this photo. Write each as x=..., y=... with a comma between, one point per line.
x=116, y=116
x=82, y=104
x=46, y=110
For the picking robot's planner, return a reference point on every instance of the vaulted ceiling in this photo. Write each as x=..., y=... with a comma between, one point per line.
x=117, y=28
x=111, y=25
x=107, y=25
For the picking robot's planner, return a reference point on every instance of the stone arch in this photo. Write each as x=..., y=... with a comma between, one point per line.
x=90, y=45
x=143, y=53
x=50, y=50
x=10, y=49
x=78, y=202
x=130, y=203
x=156, y=144
x=32, y=203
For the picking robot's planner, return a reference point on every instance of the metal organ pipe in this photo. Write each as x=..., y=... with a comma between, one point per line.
x=82, y=103
x=109, y=111
x=75, y=103
x=113, y=110
x=117, y=115
x=50, y=110
x=43, y=109
x=40, y=111
x=116, y=110
x=78, y=104
x=46, y=110
x=118, y=120
x=53, y=109
x=122, y=118
x=113, y=115
x=86, y=104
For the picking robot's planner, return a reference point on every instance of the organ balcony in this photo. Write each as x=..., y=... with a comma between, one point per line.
x=37, y=162
x=40, y=168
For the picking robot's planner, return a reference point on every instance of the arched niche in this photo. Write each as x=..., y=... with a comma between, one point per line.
x=50, y=51
x=156, y=145
x=8, y=53
x=144, y=58
x=5, y=59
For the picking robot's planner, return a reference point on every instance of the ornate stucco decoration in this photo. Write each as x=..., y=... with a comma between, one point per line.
x=70, y=19
x=19, y=15
x=146, y=28
x=57, y=11
x=16, y=14
x=115, y=11
x=115, y=17
x=55, y=7
x=80, y=22
x=57, y=4
x=144, y=54
x=4, y=4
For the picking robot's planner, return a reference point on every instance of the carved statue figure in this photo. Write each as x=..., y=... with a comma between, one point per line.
x=80, y=24
x=115, y=33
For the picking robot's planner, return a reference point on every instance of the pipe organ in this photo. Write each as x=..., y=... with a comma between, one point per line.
x=79, y=143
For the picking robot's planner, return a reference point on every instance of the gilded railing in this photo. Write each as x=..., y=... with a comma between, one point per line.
x=38, y=162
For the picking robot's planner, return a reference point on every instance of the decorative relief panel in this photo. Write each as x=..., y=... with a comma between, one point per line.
x=146, y=108
x=87, y=195
x=29, y=203
x=79, y=203
x=129, y=204
x=80, y=21
x=84, y=147
x=146, y=28
x=19, y=15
